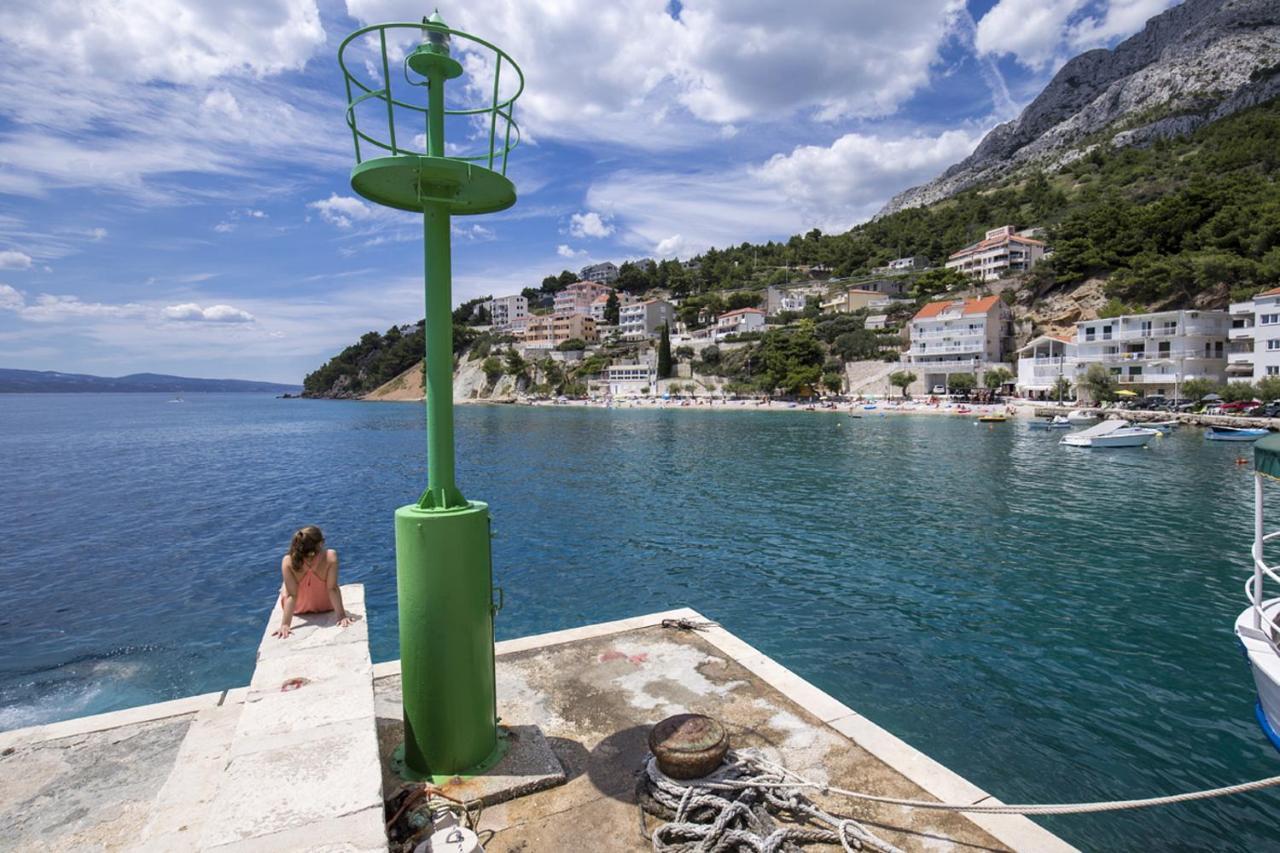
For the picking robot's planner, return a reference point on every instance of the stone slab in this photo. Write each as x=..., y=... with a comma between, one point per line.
x=178, y=813
x=334, y=773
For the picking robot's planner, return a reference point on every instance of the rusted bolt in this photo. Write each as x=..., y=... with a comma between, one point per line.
x=688, y=746
x=292, y=684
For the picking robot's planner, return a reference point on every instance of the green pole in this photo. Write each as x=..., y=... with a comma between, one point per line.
x=444, y=578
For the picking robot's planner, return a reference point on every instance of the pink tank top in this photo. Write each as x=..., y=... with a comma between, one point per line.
x=313, y=594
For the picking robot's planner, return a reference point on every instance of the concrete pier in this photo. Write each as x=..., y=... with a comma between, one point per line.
x=165, y=777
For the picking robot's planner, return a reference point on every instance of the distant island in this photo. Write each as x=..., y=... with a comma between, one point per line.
x=51, y=381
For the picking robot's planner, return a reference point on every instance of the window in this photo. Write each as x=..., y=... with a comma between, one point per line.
x=1270, y=319
x=1273, y=344
x=1273, y=370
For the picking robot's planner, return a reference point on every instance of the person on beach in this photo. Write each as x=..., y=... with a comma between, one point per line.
x=310, y=573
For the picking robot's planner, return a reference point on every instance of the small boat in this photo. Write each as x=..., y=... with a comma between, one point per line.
x=1082, y=417
x=992, y=419
x=1056, y=422
x=1110, y=434
x=1258, y=627
x=1165, y=427
x=1221, y=433
x=869, y=406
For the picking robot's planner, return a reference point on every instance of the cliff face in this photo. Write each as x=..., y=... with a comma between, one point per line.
x=1190, y=65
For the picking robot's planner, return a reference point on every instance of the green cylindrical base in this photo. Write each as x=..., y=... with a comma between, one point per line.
x=445, y=589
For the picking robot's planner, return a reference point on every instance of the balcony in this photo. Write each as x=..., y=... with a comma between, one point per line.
x=974, y=351
x=1241, y=333
x=1245, y=357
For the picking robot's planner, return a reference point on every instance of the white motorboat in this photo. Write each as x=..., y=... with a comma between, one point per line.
x=1056, y=422
x=1165, y=427
x=1258, y=627
x=1082, y=417
x=1110, y=434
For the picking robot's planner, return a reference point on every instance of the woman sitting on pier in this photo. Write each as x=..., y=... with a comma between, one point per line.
x=310, y=574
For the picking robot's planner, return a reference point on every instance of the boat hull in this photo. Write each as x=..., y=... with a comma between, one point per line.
x=1235, y=435
x=1265, y=663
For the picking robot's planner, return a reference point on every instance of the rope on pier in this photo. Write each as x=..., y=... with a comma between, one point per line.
x=793, y=781
x=733, y=808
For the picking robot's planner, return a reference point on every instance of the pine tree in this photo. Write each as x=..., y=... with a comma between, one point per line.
x=612, y=309
x=664, y=353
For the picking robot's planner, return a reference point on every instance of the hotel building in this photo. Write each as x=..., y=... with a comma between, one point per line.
x=506, y=311
x=1253, y=341
x=577, y=297
x=961, y=336
x=1001, y=252
x=1151, y=354
x=643, y=320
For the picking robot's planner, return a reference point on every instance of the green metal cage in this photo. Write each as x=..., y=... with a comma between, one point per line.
x=389, y=140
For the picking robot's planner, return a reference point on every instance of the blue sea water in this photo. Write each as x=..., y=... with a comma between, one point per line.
x=1053, y=623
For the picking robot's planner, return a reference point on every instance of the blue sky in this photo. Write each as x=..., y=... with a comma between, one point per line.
x=174, y=191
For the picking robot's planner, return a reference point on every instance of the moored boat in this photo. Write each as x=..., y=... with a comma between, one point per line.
x=1082, y=417
x=1223, y=433
x=1165, y=427
x=992, y=419
x=1110, y=434
x=1258, y=627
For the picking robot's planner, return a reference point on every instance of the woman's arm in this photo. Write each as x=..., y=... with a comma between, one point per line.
x=290, y=599
x=335, y=593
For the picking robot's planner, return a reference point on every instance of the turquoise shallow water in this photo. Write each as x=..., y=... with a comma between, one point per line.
x=1053, y=623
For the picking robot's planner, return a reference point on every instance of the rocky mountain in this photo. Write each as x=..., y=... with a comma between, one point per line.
x=51, y=381
x=1191, y=65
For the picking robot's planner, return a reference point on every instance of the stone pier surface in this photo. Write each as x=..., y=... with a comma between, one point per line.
x=261, y=769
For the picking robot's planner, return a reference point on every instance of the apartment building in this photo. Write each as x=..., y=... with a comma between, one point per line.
x=550, y=330
x=644, y=320
x=851, y=300
x=631, y=380
x=1151, y=354
x=1041, y=362
x=960, y=336
x=505, y=311
x=605, y=273
x=1253, y=340
x=1001, y=252
x=777, y=300
x=738, y=322
x=915, y=263
x=577, y=297
x=600, y=302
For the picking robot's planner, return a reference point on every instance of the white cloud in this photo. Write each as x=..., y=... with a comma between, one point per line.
x=1121, y=18
x=589, y=224
x=224, y=227
x=132, y=96
x=342, y=210
x=166, y=40
x=10, y=299
x=839, y=185
x=568, y=252
x=96, y=234
x=830, y=187
x=50, y=308
x=192, y=312
x=14, y=260
x=628, y=71
x=1042, y=35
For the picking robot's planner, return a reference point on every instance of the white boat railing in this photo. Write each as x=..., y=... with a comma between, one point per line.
x=1254, y=586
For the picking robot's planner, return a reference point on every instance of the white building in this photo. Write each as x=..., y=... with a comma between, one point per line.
x=1002, y=251
x=644, y=320
x=1151, y=354
x=577, y=297
x=738, y=322
x=507, y=311
x=877, y=321
x=1253, y=341
x=632, y=380
x=1041, y=362
x=778, y=300
x=602, y=301
x=900, y=265
x=961, y=336
x=605, y=273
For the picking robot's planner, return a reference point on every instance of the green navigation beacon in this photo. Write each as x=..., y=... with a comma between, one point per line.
x=444, y=576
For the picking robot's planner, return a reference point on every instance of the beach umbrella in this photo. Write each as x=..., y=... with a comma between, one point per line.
x=1126, y=393
x=1210, y=398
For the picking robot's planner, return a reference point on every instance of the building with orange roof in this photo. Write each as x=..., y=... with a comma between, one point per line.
x=738, y=322
x=577, y=297
x=1001, y=252
x=957, y=336
x=1042, y=361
